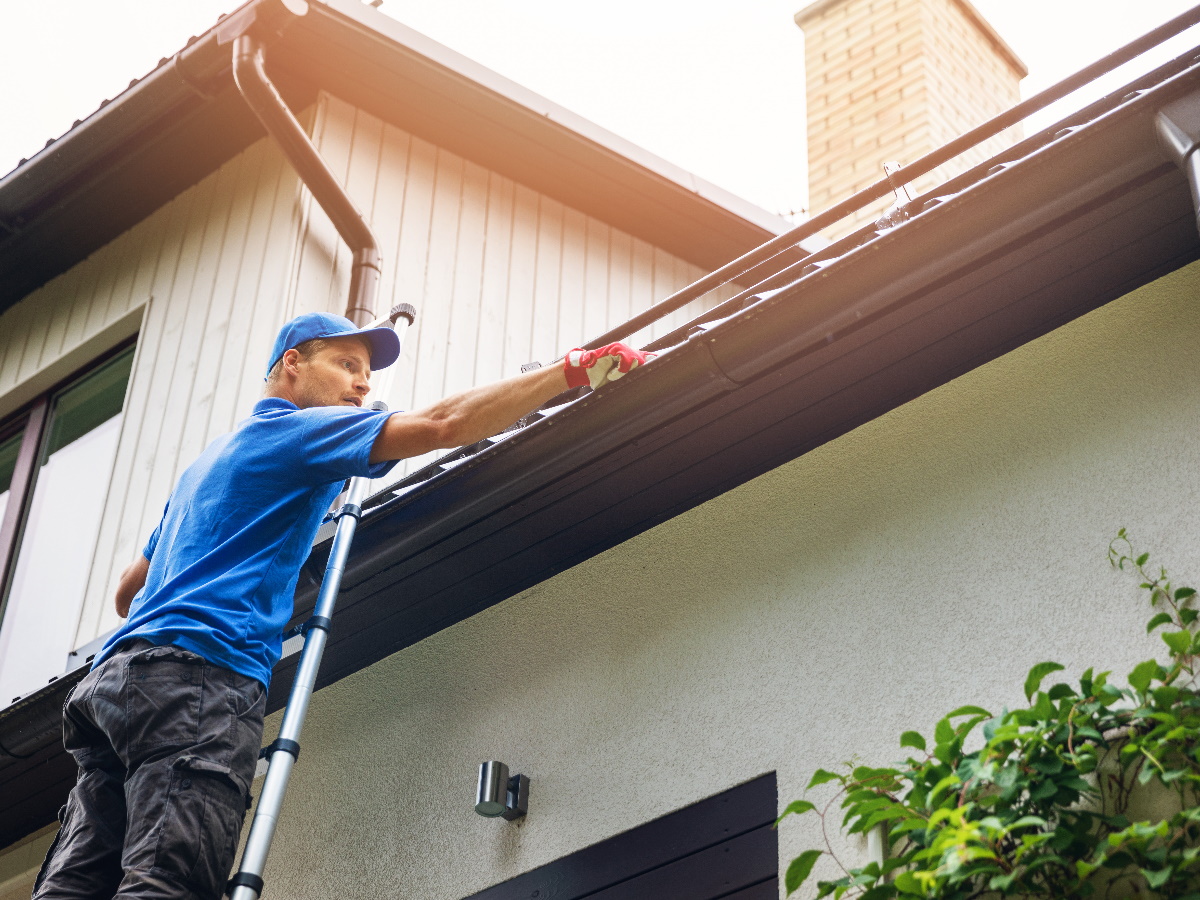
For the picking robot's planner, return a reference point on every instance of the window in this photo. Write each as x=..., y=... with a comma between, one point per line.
x=55, y=462
x=722, y=848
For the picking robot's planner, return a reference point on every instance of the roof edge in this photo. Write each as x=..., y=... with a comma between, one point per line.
x=189, y=73
x=378, y=25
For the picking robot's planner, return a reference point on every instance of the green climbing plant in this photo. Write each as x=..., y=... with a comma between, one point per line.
x=1092, y=790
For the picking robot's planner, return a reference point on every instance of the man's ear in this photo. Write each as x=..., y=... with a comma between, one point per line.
x=291, y=360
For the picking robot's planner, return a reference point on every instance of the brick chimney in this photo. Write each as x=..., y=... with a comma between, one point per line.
x=894, y=80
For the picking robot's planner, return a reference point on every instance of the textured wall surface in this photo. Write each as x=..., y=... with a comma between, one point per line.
x=19, y=864
x=894, y=80
x=500, y=274
x=923, y=561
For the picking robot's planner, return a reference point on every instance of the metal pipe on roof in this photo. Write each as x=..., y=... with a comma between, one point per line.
x=250, y=75
x=789, y=239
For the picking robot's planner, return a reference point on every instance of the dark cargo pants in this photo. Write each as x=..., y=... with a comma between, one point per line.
x=166, y=744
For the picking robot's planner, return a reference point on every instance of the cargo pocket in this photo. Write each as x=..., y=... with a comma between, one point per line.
x=164, y=687
x=199, y=831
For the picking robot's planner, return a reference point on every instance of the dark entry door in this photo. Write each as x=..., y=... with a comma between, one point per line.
x=722, y=848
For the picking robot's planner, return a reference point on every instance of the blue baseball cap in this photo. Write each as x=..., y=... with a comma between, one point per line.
x=385, y=343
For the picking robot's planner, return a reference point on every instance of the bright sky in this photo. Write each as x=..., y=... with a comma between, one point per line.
x=713, y=86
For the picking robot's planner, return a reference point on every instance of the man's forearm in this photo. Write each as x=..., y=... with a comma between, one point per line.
x=483, y=411
x=133, y=579
x=467, y=417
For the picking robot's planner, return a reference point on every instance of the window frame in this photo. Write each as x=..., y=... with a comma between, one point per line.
x=34, y=417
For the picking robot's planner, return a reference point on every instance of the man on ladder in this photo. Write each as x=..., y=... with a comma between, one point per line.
x=167, y=725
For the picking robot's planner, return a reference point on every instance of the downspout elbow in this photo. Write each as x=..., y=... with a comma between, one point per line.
x=249, y=74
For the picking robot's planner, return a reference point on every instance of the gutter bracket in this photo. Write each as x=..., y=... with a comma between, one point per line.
x=1178, y=127
x=722, y=378
x=189, y=79
x=235, y=25
x=897, y=213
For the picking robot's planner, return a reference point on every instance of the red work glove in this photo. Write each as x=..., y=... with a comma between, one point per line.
x=597, y=367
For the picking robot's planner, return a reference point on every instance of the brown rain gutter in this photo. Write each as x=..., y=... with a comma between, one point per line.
x=263, y=99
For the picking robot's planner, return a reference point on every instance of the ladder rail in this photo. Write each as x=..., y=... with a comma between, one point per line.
x=247, y=884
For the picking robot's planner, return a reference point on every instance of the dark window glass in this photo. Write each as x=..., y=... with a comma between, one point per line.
x=9, y=447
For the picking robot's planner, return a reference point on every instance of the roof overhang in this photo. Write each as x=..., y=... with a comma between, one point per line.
x=179, y=123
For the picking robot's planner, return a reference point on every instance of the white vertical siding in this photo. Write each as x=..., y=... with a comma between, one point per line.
x=500, y=276
x=205, y=276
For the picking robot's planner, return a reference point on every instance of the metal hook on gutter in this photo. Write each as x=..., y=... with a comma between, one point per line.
x=264, y=100
x=1178, y=127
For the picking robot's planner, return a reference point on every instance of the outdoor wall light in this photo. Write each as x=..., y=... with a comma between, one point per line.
x=500, y=795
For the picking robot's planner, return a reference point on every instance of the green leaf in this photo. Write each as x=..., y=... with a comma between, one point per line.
x=1043, y=707
x=1142, y=674
x=1156, y=879
x=907, y=882
x=1188, y=616
x=1185, y=592
x=943, y=732
x=1061, y=690
x=1143, y=559
x=1028, y=821
x=795, y=808
x=1179, y=641
x=912, y=739
x=1166, y=695
x=971, y=711
x=1075, y=783
x=799, y=870
x=820, y=777
x=1160, y=619
x=1043, y=791
x=1036, y=674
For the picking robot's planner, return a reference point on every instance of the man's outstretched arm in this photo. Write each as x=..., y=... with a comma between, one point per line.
x=133, y=579
x=480, y=412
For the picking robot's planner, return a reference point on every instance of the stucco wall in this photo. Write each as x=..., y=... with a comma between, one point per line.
x=926, y=560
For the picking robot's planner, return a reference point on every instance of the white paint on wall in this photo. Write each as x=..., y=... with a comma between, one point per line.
x=923, y=561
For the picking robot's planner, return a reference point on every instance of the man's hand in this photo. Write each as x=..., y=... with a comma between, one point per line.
x=593, y=368
x=133, y=579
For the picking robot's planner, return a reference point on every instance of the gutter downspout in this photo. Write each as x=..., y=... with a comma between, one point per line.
x=1178, y=127
x=263, y=99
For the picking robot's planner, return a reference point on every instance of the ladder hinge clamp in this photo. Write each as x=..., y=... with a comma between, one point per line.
x=290, y=747
x=245, y=879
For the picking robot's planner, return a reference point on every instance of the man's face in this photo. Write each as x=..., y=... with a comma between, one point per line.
x=339, y=374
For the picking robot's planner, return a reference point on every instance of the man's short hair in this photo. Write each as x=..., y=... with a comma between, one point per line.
x=306, y=351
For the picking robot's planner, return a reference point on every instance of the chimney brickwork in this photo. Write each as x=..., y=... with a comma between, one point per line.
x=894, y=80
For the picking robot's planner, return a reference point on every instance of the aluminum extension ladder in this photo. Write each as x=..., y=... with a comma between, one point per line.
x=247, y=884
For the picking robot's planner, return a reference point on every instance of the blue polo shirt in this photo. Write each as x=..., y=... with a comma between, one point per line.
x=225, y=558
